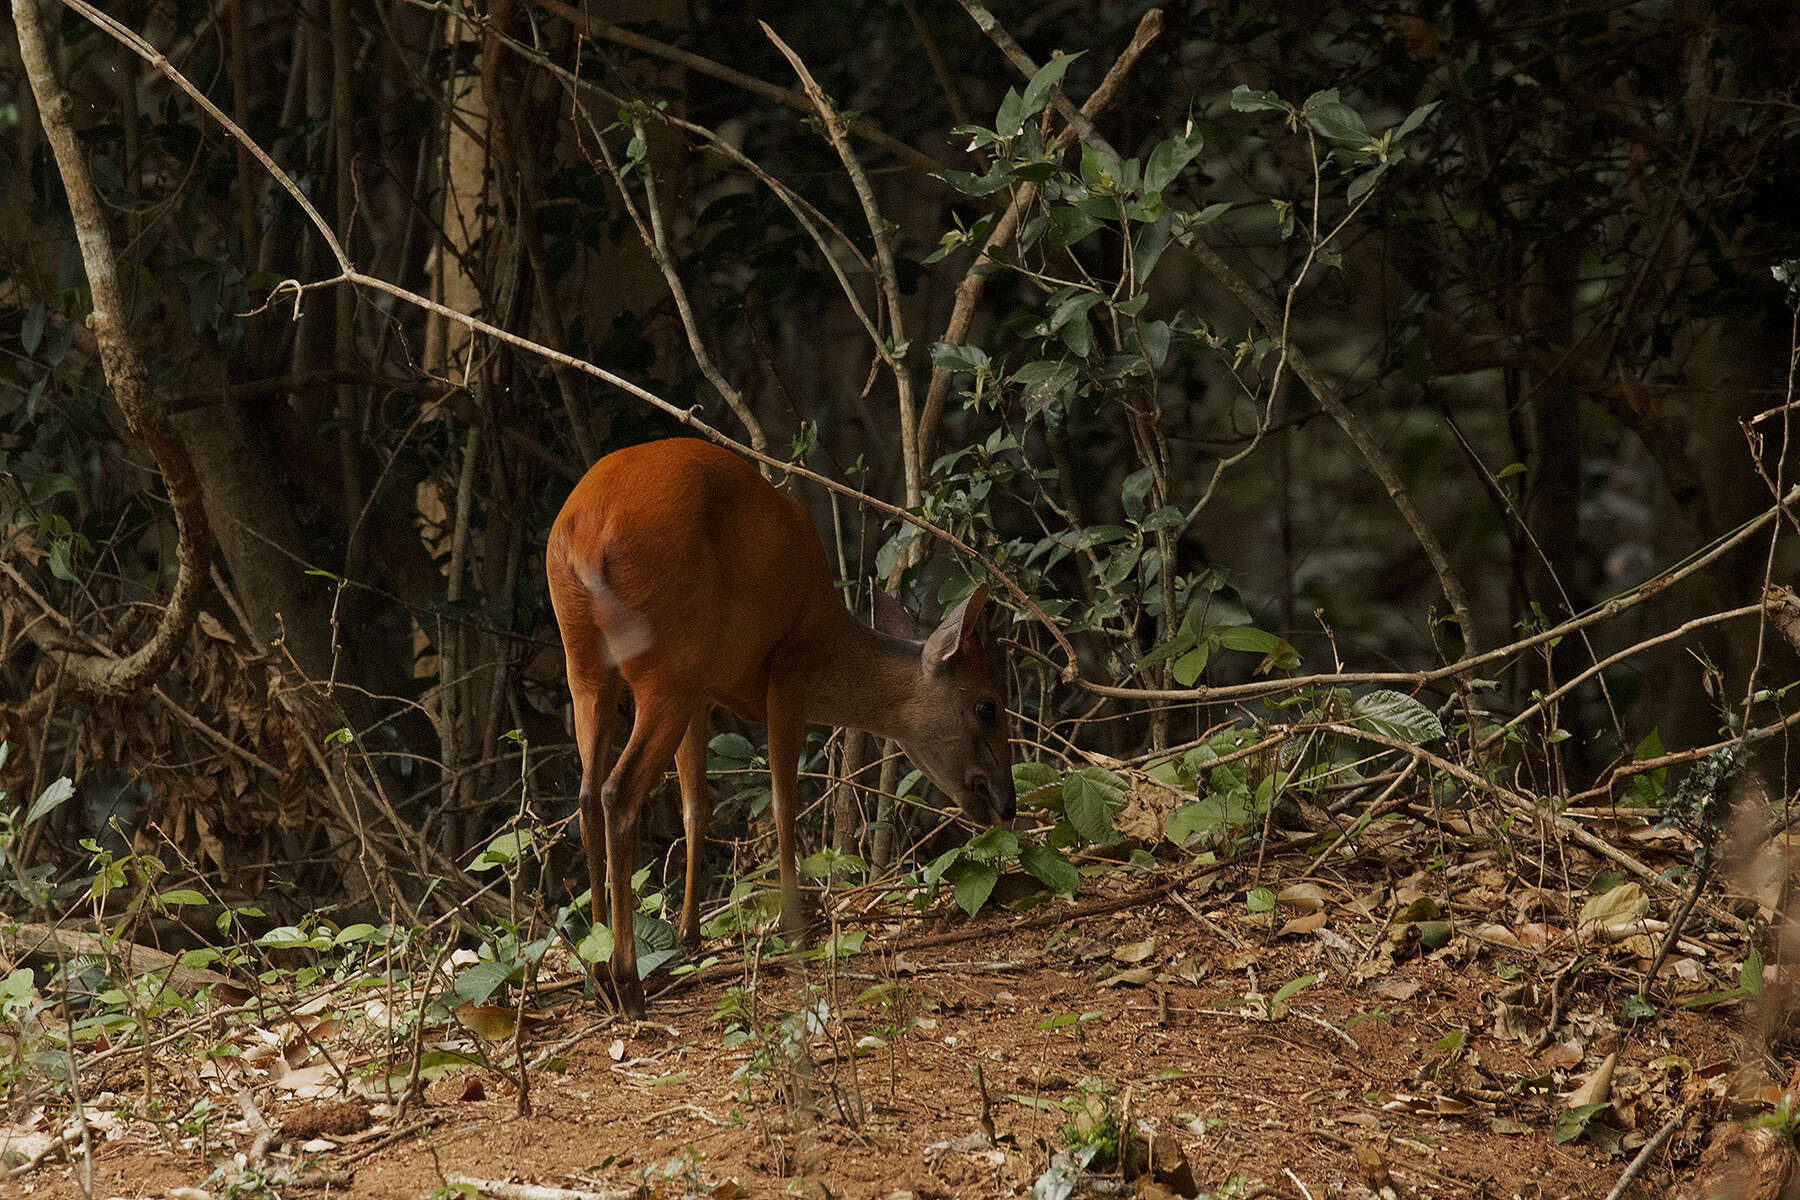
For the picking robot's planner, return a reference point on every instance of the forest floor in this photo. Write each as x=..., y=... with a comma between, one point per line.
x=1423, y=1033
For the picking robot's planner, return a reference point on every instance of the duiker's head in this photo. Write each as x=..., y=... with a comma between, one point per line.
x=959, y=730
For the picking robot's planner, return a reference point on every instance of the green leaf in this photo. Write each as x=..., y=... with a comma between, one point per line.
x=1170, y=158
x=1075, y=306
x=1011, y=117
x=1037, y=92
x=1100, y=170
x=1090, y=797
x=1182, y=642
x=996, y=845
x=478, y=981
x=953, y=357
x=1245, y=99
x=1750, y=976
x=1260, y=900
x=1050, y=869
x=48, y=799
x=1337, y=121
x=180, y=896
x=289, y=937
x=31, y=329
x=1571, y=1123
x=1248, y=638
x=1166, y=517
x=1189, y=666
x=1211, y=213
x=1290, y=987
x=503, y=850
x=970, y=184
x=1030, y=776
x=1078, y=336
x=1132, y=493
x=1414, y=119
x=1043, y=381
x=597, y=946
x=1216, y=813
x=1069, y=225
x=1153, y=340
x=1147, y=250
x=1364, y=182
x=973, y=882
x=46, y=486
x=1397, y=716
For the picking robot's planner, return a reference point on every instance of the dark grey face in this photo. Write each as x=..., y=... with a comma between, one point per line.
x=968, y=750
x=990, y=797
x=960, y=730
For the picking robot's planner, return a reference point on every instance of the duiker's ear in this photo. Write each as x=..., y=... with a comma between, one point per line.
x=894, y=618
x=959, y=632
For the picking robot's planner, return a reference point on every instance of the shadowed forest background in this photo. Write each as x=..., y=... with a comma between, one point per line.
x=1421, y=373
x=1551, y=317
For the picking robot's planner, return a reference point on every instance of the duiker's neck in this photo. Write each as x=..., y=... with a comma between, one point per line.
x=861, y=678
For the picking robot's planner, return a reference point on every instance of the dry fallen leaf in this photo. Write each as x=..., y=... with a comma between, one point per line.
x=1393, y=987
x=1495, y=934
x=1137, y=952
x=1302, y=897
x=209, y=625
x=311, y=1083
x=1614, y=914
x=1135, y=977
x=1517, y=1022
x=1560, y=1056
x=1597, y=1088
x=1237, y=960
x=1310, y=923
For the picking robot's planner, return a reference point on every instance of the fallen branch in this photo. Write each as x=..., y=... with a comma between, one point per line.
x=1644, y=1156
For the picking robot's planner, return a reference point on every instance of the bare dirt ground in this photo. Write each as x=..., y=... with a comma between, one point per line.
x=951, y=1069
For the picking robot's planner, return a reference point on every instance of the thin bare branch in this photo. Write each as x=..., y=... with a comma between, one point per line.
x=144, y=406
x=749, y=83
x=893, y=348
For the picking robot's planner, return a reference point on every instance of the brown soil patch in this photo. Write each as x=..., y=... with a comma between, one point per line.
x=1404, y=1063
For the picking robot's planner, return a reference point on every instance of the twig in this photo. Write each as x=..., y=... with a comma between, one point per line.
x=1644, y=1155
x=397, y=1134
x=261, y=1134
x=656, y=242
x=499, y=1189
x=749, y=83
x=1678, y=920
x=74, y=1132
x=1558, y=989
x=893, y=348
x=1523, y=807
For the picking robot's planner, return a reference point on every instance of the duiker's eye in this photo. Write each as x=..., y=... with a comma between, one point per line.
x=985, y=712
